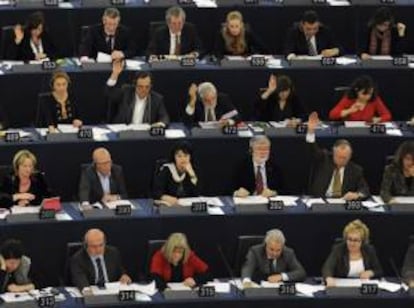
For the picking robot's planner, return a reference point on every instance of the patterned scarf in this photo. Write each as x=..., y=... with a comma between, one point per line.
x=385, y=39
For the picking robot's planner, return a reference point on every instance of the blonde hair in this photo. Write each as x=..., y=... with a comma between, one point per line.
x=19, y=158
x=357, y=226
x=59, y=74
x=236, y=45
x=176, y=240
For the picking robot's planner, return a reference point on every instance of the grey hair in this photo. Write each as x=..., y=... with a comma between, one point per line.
x=112, y=12
x=342, y=143
x=206, y=87
x=259, y=139
x=174, y=11
x=275, y=235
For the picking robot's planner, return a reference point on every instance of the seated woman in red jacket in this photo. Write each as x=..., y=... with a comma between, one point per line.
x=361, y=103
x=176, y=262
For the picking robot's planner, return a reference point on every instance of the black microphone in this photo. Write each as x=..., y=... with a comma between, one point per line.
x=228, y=268
x=396, y=273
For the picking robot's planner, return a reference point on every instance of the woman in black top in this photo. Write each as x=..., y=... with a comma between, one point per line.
x=279, y=102
x=235, y=38
x=177, y=179
x=24, y=186
x=385, y=37
x=58, y=108
x=31, y=42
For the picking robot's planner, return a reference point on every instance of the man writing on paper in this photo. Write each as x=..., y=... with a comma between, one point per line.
x=102, y=181
x=272, y=261
x=257, y=174
x=138, y=104
x=96, y=263
x=209, y=106
x=334, y=175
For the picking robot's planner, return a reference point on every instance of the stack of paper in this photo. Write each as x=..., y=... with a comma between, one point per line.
x=174, y=133
x=404, y=200
x=345, y=60
x=67, y=128
x=381, y=58
x=267, y=284
x=250, y=200
x=389, y=286
x=274, y=63
x=9, y=297
x=178, y=286
x=113, y=204
x=206, y=3
x=103, y=57
x=214, y=201
x=309, y=202
x=308, y=289
x=16, y=209
x=335, y=200
x=287, y=200
x=353, y=282
x=148, y=289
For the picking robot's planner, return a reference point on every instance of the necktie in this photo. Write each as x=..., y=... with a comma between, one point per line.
x=210, y=116
x=311, y=48
x=337, y=185
x=100, y=281
x=177, y=50
x=272, y=265
x=259, y=180
x=109, y=42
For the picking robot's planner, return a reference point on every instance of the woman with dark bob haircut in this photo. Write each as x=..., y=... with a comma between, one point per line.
x=398, y=177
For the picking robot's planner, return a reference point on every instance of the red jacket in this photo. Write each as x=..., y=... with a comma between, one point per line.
x=372, y=109
x=161, y=266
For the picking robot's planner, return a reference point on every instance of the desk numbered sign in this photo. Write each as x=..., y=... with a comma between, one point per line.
x=199, y=207
x=123, y=210
x=353, y=205
x=188, y=61
x=85, y=133
x=258, y=61
x=328, y=61
x=275, y=205
x=301, y=129
x=47, y=214
x=49, y=65
x=378, y=129
x=46, y=301
x=369, y=289
x=51, y=2
x=230, y=130
x=287, y=289
x=157, y=131
x=117, y=2
x=206, y=291
x=12, y=137
x=400, y=61
x=126, y=295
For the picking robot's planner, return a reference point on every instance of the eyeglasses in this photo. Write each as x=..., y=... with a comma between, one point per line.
x=353, y=240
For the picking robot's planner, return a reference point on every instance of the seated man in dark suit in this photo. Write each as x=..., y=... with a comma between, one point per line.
x=258, y=174
x=110, y=38
x=102, y=181
x=137, y=104
x=209, y=106
x=272, y=261
x=176, y=38
x=334, y=175
x=96, y=263
x=310, y=37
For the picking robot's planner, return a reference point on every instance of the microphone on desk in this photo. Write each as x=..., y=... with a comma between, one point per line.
x=228, y=268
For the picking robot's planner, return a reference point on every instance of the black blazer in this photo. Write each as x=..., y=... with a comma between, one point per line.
x=398, y=44
x=83, y=272
x=394, y=183
x=160, y=42
x=257, y=266
x=23, y=51
x=337, y=264
x=223, y=106
x=38, y=187
x=90, y=188
x=246, y=177
x=323, y=168
x=95, y=41
x=164, y=184
x=296, y=41
x=124, y=97
x=50, y=112
x=253, y=45
x=269, y=109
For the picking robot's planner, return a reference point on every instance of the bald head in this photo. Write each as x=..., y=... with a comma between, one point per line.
x=95, y=242
x=103, y=161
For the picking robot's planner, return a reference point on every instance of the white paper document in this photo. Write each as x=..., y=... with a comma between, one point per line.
x=74, y=292
x=220, y=287
x=134, y=65
x=174, y=133
x=245, y=133
x=214, y=201
x=16, y=209
x=309, y=289
x=209, y=125
x=148, y=289
x=267, y=284
x=404, y=200
x=21, y=133
x=4, y=213
x=305, y=57
x=353, y=282
x=345, y=60
x=274, y=63
x=103, y=57
x=113, y=204
x=250, y=200
x=9, y=297
x=311, y=201
x=63, y=216
x=355, y=124
x=178, y=286
x=389, y=286
x=335, y=200
x=215, y=211
x=381, y=58
x=205, y=3
x=67, y=128
x=287, y=200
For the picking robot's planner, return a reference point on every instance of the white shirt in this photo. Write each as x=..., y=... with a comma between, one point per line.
x=330, y=187
x=262, y=171
x=356, y=267
x=173, y=40
x=36, y=49
x=105, y=182
x=95, y=266
x=139, y=110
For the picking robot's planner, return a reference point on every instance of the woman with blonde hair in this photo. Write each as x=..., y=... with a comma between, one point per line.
x=176, y=262
x=24, y=186
x=353, y=257
x=236, y=38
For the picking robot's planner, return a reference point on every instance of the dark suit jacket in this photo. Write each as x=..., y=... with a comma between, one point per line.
x=90, y=188
x=124, y=97
x=38, y=187
x=257, y=266
x=296, y=41
x=23, y=51
x=224, y=105
x=398, y=44
x=408, y=266
x=83, y=272
x=95, y=40
x=393, y=183
x=50, y=112
x=160, y=42
x=269, y=109
x=337, y=264
x=323, y=168
x=246, y=177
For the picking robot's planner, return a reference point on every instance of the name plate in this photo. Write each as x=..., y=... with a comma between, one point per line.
x=328, y=61
x=85, y=133
x=275, y=205
x=188, y=61
x=230, y=130
x=157, y=131
x=258, y=61
x=379, y=129
x=206, y=291
x=287, y=289
x=126, y=295
x=400, y=61
x=123, y=210
x=199, y=207
x=46, y=301
x=12, y=137
x=369, y=289
x=49, y=65
x=301, y=129
x=353, y=205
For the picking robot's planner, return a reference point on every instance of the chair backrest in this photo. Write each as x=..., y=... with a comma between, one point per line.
x=5, y=170
x=71, y=249
x=82, y=35
x=154, y=25
x=244, y=242
x=153, y=246
x=7, y=36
